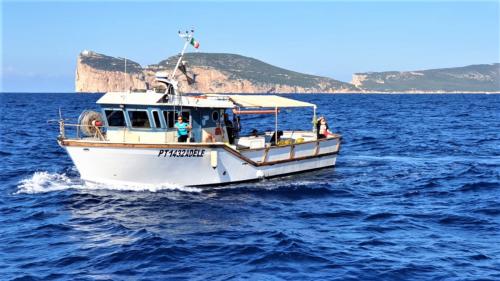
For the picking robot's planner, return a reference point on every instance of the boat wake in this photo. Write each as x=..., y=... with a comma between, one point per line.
x=42, y=182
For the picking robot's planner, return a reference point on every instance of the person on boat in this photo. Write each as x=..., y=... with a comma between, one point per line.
x=275, y=139
x=254, y=133
x=229, y=128
x=182, y=129
x=237, y=126
x=209, y=138
x=322, y=128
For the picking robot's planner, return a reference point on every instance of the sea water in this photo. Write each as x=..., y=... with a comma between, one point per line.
x=415, y=195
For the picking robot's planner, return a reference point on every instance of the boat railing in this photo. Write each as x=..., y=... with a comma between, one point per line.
x=291, y=150
x=76, y=129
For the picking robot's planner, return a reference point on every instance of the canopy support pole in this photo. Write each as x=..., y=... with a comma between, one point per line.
x=314, y=119
x=276, y=125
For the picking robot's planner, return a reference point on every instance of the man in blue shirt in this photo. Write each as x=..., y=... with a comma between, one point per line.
x=182, y=130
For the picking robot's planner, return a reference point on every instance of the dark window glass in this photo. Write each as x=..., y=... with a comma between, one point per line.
x=185, y=116
x=139, y=119
x=115, y=118
x=156, y=116
x=169, y=118
x=215, y=115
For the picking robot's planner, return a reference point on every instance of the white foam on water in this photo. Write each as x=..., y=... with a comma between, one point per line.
x=41, y=182
x=150, y=188
x=269, y=184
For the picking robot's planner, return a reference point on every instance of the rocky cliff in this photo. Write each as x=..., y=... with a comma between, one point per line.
x=215, y=73
x=99, y=73
x=472, y=78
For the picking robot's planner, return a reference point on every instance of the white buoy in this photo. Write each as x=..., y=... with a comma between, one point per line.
x=213, y=158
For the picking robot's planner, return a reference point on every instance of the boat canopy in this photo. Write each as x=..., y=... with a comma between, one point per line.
x=155, y=99
x=211, y=101
x=129, y=98
x=267, y=101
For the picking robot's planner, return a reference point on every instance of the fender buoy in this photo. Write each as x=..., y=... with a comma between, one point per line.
x=96, y=123
x=213, y=158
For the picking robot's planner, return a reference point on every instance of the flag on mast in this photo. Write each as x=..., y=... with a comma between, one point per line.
x=195, y=43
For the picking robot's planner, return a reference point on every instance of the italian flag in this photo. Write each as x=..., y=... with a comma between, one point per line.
x=195, y=43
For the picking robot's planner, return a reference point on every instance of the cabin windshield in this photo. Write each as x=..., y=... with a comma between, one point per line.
x=185, y=116
x=156, y=118
x=115, y=117
x=139, y=119
x=168, y=116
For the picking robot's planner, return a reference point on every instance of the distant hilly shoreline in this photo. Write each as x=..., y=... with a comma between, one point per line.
x=346, y=93
x=472, y=78
x=230, y=73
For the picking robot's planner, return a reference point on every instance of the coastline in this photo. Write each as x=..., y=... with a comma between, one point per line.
x=337, y=93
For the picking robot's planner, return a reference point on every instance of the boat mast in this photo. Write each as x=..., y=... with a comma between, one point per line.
x=188, y=35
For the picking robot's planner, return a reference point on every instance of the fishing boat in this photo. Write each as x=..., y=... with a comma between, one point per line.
x=134, y=139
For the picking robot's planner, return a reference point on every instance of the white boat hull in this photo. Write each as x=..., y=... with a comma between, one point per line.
x=187, y=165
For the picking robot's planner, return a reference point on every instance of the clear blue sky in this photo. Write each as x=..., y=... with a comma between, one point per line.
x=41, y=40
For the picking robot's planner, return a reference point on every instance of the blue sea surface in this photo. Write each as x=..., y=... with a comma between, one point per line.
x=415, y=195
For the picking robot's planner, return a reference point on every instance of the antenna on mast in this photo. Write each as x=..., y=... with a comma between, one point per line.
x=188, y=36
x=169, y=81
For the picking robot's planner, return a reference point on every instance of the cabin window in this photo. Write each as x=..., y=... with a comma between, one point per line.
x=169, y=118
x=139, y=119
x=115, y=118
x=184, y=114
x=156, y=117
x=215, y=115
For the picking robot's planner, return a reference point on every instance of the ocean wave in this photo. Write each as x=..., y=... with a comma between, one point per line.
x=42, y=182
x=331, y=215
x=414, y=195
x=487, y=160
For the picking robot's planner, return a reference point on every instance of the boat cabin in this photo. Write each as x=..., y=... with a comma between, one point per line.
x=150, y=118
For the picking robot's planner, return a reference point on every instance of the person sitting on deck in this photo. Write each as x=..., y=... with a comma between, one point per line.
x=229, y=128
x=322, y=128
x=237, y=126
x=182, y=129
x=275, y=140
x=254, y=133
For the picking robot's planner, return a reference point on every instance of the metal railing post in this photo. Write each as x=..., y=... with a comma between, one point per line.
x=62, y=133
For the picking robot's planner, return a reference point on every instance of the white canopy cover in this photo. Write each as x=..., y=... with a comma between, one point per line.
x=213, y=101
x=267, y=101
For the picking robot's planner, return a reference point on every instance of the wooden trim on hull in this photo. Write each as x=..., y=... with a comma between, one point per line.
x=269, y=163
x=135, y=145
x=82, y=143
x=201, y=145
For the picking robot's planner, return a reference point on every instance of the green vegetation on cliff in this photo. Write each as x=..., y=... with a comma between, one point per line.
x=107, y=63
x=472, y=78
x=241, y=67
